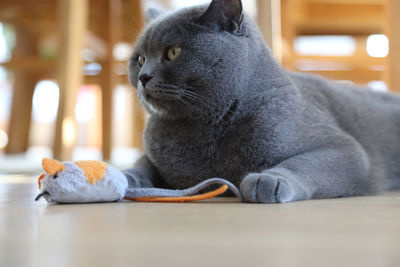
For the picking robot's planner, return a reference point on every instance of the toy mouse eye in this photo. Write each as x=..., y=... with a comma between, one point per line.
x=55, y=176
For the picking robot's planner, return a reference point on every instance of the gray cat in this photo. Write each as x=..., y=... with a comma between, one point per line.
x=221, y=106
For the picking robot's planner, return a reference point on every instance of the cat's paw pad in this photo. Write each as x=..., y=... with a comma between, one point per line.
x=266, y=188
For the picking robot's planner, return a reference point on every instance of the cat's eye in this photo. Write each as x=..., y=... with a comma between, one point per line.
x=141, y=60
x=173, y=52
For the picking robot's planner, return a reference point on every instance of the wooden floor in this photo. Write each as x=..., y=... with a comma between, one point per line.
x=362, y=231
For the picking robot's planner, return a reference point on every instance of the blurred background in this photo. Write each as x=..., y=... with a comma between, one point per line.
x=64, y=89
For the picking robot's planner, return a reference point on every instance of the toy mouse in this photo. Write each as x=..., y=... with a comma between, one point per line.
x=95, y=181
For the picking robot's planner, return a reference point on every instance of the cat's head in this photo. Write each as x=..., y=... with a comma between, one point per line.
x=195, y=62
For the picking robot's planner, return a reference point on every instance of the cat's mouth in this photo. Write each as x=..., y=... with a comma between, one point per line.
x=158, y=102
x=157, y=96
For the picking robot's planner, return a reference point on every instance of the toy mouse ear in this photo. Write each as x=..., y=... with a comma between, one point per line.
x=52, y=166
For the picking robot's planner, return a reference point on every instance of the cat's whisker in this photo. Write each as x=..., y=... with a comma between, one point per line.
x=188, y=104
x=199, y=101
x=201, y=98
x=189, y=98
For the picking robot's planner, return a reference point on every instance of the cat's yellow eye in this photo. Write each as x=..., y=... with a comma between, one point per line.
x=141, y=60
x=173, y=52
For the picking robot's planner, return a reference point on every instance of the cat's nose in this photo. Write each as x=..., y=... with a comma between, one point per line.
x=144, y=78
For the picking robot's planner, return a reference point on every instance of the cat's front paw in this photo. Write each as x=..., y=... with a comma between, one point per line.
x=266, y=188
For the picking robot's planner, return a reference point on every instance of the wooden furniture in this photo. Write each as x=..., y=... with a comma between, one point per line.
x=393, y=30
x=98, y=24
x=29, y=22
x=73, y=15
x=356, y=18
x=25, y=79
x=269, y=22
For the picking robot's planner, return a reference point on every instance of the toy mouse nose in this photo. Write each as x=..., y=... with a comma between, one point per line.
x=144, y=78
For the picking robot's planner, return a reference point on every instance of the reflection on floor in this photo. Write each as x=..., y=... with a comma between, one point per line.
x=30, y=162
x=363, y=231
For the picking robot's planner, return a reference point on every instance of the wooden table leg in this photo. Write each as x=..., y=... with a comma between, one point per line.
x=24, y=85
x=73, y=15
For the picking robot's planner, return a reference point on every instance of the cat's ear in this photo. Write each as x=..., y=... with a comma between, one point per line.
x=153, y=13
x=224, y=15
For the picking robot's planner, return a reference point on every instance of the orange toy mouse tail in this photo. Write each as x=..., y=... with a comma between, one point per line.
x=185, y=195
x=208, y=195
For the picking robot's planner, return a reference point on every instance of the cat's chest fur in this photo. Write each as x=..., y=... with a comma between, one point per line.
x=184, y=155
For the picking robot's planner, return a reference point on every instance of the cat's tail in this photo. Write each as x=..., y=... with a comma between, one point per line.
x=186, y=194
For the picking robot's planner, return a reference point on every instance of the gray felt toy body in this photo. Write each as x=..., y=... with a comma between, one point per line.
x=95, y=181
x=221, y=106
x=80, y=182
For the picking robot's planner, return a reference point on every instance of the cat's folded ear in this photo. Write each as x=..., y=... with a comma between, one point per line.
x=224, y=15
x=152, y=13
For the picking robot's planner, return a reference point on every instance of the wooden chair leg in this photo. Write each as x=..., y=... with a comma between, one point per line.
x=138, y=124
x=289, y=7
x=25, y=81
x=112, y=11
x=73, y=16
x=20, y=119
x=394, y=41
x=139, y=116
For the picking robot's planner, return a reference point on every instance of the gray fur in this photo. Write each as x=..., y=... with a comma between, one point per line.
x=153, y=13
x=225, y=108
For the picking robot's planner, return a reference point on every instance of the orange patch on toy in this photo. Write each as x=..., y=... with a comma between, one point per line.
x=52, y=166
x=40, y=178
x=94, y=170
